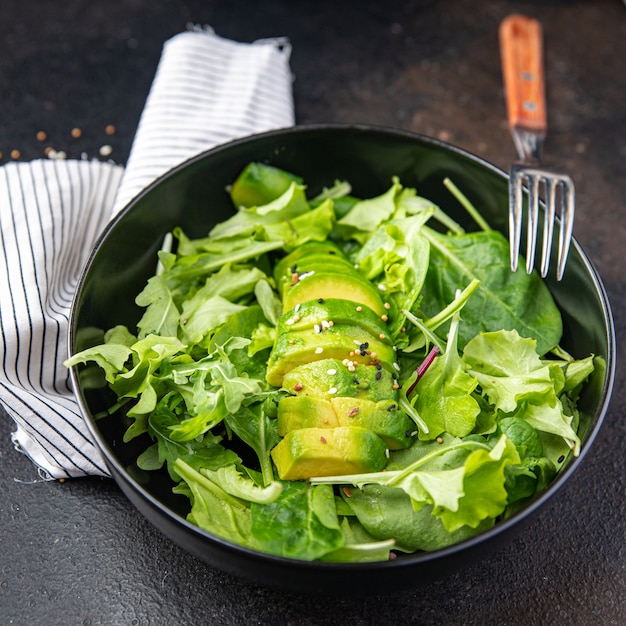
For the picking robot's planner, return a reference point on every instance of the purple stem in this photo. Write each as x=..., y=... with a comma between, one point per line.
x=421, y=370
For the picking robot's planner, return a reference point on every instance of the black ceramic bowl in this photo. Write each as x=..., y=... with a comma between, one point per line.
x=193, y=196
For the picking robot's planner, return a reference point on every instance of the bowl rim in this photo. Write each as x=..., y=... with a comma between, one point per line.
x=404, y=559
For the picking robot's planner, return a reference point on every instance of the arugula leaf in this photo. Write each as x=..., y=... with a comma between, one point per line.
x=252, y=425
x=215, y=510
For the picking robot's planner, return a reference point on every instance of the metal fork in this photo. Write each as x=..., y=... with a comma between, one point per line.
x=522, y=69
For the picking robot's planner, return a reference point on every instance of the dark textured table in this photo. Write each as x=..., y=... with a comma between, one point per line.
x=77, y=552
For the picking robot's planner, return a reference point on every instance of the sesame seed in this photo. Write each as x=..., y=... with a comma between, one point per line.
x=387, y=452
x=379, y=375
x=320, y=300
x=323, y=440
x=364, y=346
x=387, y=305
x=331, y=372
x=560, y=459
x=290, y=321
x=384, y=318
x=298, y=387
x=395, y=386
x=110, y=129
x=319, y=350
x=317, y=328
x=15, y=154
x=353, y=411
x=382, y=336
x=391, y=407
x=396, y=366
x=41, y=136
x=359, y=309
x=332, y=391
x=347, y=492
x=76, y=132
x=439, y=440
x=325, y=324
x=373, y=354
x=292, y=341
x=105, y=150
x=351, y=368
x=296, y=318
x=356, y=342
x=331, y=323
x=296, y=308
x=294, y=268
x=356, y=381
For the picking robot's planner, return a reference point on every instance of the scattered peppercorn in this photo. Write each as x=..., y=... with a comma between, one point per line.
x=76, y=133
x=110, y=129
x=41, y=135
x=15, y=154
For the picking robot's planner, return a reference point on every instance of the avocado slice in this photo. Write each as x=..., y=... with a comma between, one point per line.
x=258, y=184
x=316, y=378
x=309, y=452
x=317, y=248
x=384, y=418
x=341, y=341
x=328, y=284
x=310, y=264
x=295, y=412
x=335, y=311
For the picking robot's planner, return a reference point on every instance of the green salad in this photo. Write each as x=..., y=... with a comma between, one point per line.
x=345, y=379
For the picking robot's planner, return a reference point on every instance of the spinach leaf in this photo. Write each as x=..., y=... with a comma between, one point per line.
x=290, y=526
x=504, y=299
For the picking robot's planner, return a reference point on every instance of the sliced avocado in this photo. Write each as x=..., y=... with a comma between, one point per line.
x=259, y=184
x=310, y=264
x=295, y=412
x=334, y=311
x=328, y=284
x=341, y=341
x=383, y=418
x=317, y=378
x=309, y=452
x=283, y=266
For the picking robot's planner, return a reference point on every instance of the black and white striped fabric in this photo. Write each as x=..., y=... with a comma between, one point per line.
x=207, y=90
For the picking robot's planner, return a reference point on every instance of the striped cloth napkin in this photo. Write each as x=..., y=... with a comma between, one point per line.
x=207, y=90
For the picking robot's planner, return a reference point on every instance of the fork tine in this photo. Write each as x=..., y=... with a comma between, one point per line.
x=533, y=217
x=548, y=228
x=567, y=223
x=515, y=215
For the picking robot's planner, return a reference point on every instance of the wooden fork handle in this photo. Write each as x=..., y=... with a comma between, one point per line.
x=521, y=50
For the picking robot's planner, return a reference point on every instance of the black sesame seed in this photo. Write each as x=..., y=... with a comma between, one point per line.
x=378, y=366
x=320, y=300
x=392, y=407
x=294, y=268
x=379, y=375
x=408, y=433
x=364, y=346
x=561, y=459
x=356, y=381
